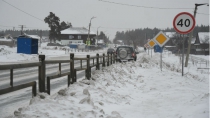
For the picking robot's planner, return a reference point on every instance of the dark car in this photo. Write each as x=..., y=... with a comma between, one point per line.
x=111, y=51
x=125, y=53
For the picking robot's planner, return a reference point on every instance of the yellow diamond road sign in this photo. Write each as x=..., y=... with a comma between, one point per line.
x=161, y=39
x=151, y=43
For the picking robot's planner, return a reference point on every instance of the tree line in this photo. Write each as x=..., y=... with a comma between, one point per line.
x=138, y=37
x=16, y=33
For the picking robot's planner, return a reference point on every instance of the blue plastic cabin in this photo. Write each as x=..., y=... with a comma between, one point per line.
x=27, y=45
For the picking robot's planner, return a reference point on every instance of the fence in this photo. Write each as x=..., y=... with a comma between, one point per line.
x=202, y=63
x=71, y=75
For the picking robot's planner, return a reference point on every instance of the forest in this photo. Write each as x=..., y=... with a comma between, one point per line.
x=139, y=37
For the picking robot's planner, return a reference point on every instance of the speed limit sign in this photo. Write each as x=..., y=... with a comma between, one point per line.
x=184, y=22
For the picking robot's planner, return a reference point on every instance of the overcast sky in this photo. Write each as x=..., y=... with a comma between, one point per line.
x=110, y=17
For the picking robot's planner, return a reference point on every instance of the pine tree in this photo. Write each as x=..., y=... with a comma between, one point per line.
x=55, y=28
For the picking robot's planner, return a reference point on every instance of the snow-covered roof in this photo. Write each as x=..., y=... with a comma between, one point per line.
x=170, y=34
x=193, y=40
x=34, y=36
x=77, y=30
x=100, y=41
x=203, y=37
x=120, y=41
x=5, y=39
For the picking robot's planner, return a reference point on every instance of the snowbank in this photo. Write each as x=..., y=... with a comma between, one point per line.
x=128, y=90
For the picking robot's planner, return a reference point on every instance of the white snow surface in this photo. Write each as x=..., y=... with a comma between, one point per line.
x=123, y=90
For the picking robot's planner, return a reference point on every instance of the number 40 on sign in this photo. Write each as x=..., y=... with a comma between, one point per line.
x=184, y=22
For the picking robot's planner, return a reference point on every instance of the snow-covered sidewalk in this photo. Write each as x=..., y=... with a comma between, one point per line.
x=128, y=90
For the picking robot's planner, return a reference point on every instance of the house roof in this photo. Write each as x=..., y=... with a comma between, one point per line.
x=100, y=41
x=77, y=30
x=5, y=39
x=34, y=36
x=203, y=37
x=170, y=34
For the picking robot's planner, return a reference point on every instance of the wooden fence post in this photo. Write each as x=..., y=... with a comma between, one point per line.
x=59, y=68
x=103, y=60
x=11, y=77
x=87, y=72
x=108, y=60
x=72, y=66
x=75, y=75
x=97, y=61
x=68, y=79
x=42, y=73
x=111, y=58
x=114, y=58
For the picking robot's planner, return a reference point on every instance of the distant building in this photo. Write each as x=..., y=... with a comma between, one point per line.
x=201, y=43
x=76, y=35
x=7, y=40
x=171, y=36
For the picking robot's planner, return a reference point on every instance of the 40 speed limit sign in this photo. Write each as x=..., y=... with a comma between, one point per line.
x=184, y=22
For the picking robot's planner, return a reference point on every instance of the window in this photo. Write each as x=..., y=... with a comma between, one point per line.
x=79, y=36
x=71, y=37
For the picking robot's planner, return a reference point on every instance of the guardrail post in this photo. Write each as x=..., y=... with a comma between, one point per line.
x=11, y=77
x=72, y=66
x=108, y=60
x=103, y=60
x=87, y=72
x=97, y=61
x=111, y=59
x=42, y=73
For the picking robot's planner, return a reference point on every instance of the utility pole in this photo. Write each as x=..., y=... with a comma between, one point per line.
x=88, y=39
x=97, y=35
x=22, y=26
x=40, y=41
x=191, y=33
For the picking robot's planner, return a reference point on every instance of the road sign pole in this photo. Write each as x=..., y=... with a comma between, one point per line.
x=183, y=56
x=151, y=52
x=161, y=61
x=184, y=23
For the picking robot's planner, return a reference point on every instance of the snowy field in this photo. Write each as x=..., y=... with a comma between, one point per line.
x=123, y=90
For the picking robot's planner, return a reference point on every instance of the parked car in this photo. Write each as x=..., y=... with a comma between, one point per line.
x=125, y=53
x=111, y=51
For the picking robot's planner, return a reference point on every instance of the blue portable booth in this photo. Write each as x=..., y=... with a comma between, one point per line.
x=27, y=45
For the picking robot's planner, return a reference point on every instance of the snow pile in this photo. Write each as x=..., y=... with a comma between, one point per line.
x=8, y=54
x=127, y=90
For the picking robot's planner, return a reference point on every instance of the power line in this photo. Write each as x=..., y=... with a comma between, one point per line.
x=203, y=13
x=140, y=6
x=22, y=11
x=24, y=27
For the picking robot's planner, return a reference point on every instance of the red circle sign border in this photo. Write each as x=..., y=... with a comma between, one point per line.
x=186, y=32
